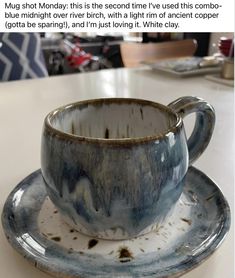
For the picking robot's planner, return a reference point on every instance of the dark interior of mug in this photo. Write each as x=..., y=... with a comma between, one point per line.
x=113, y=119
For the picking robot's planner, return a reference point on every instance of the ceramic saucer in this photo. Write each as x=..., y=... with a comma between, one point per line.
x=193, y=231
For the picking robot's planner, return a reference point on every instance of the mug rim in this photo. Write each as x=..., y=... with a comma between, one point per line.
x=111, y=141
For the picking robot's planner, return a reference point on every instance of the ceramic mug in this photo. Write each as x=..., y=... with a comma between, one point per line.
x=116, y=167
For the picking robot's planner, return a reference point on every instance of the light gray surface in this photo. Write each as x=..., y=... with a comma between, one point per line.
x=24, y=104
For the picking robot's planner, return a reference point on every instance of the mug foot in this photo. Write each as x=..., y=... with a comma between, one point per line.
x=115, y=233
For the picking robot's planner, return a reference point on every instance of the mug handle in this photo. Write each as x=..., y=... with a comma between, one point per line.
x=204, y=124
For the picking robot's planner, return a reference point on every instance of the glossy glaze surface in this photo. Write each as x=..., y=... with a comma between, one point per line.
x=114, y=188
x=194, y=230
x=38, y=96
x=113, y=119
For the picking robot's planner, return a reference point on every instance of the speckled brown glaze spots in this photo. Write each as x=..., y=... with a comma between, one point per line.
x=92, y=243
x=56, y=238
x=188, y=221
x=106, y=135
x=193, y=244
x=120, y=162
x=125, y=255
x=210, y=197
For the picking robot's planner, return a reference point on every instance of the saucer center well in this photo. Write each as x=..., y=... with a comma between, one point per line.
x=165, y=238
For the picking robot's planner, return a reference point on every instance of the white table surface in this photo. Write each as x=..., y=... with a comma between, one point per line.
x=24, y=104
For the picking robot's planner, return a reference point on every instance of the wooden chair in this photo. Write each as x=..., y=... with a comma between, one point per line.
x=134, y=53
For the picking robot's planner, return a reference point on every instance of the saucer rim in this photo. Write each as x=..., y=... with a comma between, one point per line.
x=177, y=270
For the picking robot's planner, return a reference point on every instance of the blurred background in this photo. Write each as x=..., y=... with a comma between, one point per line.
x=62, y=53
